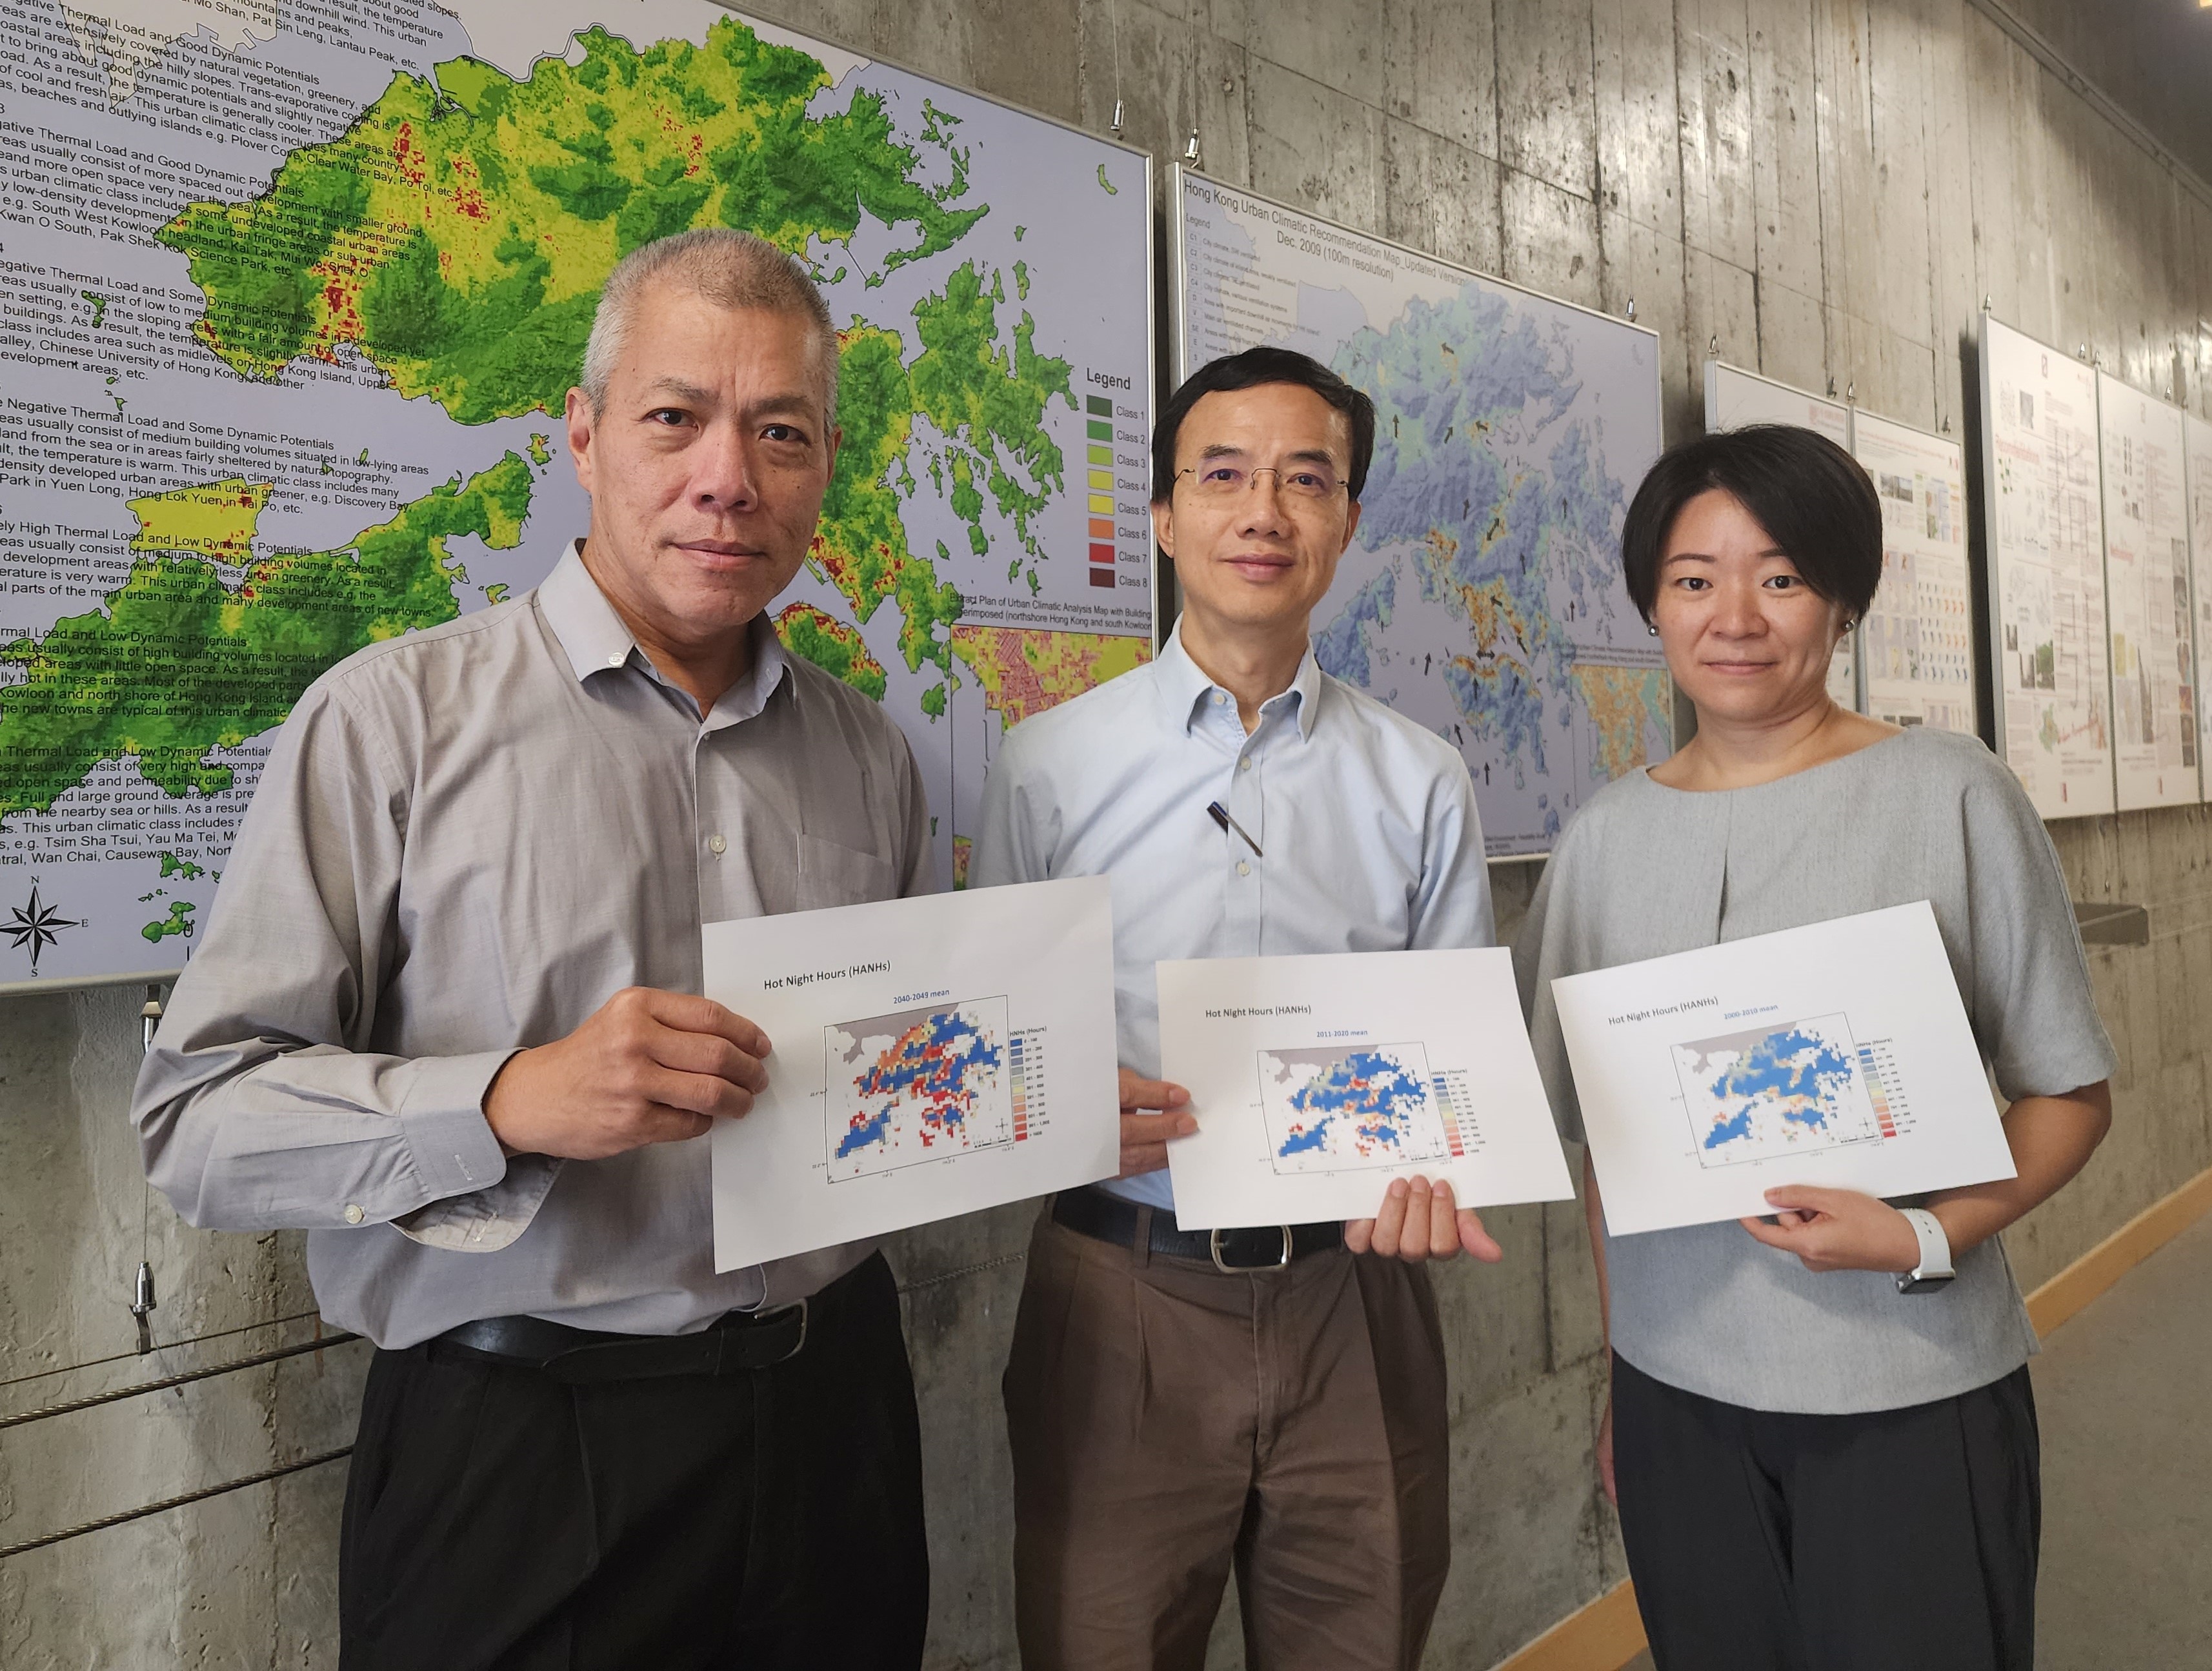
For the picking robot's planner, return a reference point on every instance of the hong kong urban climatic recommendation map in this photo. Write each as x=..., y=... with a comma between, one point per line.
x=293, y=291
x=1482, y=595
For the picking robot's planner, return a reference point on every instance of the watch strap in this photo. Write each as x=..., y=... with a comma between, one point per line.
x=1934, y=1267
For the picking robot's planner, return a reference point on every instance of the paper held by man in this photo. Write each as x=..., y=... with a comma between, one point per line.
x=1837, y=1054
x=1316, y=1080
x=932, y=1057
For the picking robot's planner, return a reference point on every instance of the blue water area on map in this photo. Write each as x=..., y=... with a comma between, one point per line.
x=1372, y=1091
x=1797, y=1069
x=933, y=1061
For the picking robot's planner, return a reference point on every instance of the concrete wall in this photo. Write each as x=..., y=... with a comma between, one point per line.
x=1824, y=189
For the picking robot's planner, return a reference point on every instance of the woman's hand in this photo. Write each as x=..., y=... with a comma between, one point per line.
x=1838, y=1230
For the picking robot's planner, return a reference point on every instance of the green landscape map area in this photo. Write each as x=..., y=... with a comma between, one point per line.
x=456, y=237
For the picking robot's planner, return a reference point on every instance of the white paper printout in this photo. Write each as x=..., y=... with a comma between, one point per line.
x=1318, y=1080
x=2198, y=445
x=1836, y=1054
x=1916, y=653
x=2147, y=588
x=2044, y=520
x=1734, y=398
x=931, y=1056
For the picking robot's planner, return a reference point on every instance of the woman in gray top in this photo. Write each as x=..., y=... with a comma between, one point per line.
x=1824, y=1455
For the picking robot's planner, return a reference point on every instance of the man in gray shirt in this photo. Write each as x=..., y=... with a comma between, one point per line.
x=444, y=1019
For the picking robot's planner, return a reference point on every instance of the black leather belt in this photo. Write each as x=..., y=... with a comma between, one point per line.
x=735, y=1343
x=1106, y=1218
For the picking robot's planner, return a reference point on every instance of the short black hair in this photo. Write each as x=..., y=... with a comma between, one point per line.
x=1813, y=498
x=1249, y=370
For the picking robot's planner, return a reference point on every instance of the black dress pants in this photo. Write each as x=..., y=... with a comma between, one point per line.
x=1896, y=1540
x=496, y=1518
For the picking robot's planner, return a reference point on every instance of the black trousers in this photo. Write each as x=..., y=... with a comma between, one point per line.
x=1897, y=1540
x=496, y=1518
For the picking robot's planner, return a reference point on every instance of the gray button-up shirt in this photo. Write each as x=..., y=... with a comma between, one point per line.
x=465, y=842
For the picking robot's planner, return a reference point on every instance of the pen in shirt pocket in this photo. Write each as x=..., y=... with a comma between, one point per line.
x=1219, y=814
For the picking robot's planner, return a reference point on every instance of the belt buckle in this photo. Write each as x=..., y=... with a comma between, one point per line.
x=1213, y=1246
x=805, y=1316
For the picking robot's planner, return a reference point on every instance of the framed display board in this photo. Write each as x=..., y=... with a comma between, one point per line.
x=2043, y=514
x=1734, y=397
x=1482, y=595
x=1917, y=644
x=2153, y=661
x=231, y=457
x=2196, y=448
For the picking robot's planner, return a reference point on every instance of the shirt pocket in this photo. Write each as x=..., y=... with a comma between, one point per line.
x=832, y=874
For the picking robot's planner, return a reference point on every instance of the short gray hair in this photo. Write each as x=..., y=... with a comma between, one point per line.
x=730, y=269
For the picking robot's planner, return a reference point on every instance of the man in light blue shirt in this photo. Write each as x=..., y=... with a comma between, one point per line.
x=1273, y=1400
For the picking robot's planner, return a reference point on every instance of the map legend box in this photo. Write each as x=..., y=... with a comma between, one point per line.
x=1021, y=1088
x=1101, y=577
x=1102, y=527
x=1100, y=407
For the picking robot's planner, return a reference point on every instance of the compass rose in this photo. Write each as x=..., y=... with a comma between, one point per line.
x=37, y=925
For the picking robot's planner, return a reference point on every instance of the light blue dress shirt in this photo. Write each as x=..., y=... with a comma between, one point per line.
x=1366, y=825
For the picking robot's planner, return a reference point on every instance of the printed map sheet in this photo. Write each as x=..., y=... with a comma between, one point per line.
x=1917, y=645
x=1736, y=397
x=1482, y=595
x=2044, y=518
x=294, y=295
x=2154, y=659
x=932, y=1057
x=1837, y=1054
x=1316, y=1080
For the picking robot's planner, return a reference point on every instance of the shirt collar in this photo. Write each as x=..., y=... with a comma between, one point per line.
x=1186, y=685
x=594, y=639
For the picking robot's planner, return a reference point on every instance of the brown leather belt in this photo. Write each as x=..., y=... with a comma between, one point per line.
x=1105, y=1218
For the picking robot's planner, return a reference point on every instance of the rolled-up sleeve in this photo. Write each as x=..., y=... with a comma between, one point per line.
x=261, y=1106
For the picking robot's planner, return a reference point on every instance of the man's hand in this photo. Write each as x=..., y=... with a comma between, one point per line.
x=1418, y=1222
x=1838, y=1230
x=1145, y=1136
x=648, y=1068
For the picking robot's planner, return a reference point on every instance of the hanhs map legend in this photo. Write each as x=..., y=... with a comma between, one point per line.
x=1878, y=1067
x=1021, y=1082
x=1457, y=1107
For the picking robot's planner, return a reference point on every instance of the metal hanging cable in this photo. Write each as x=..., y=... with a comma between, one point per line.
x=70, y=1407
x=168, y=1503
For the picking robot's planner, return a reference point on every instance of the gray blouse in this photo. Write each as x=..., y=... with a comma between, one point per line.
x=1646, y=870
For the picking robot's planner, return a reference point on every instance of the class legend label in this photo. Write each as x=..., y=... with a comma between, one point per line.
x=1116, y=476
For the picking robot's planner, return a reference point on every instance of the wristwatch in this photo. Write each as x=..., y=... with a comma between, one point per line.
x=1934, y=1270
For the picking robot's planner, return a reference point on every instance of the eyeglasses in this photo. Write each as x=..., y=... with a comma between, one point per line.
x=1223, y=480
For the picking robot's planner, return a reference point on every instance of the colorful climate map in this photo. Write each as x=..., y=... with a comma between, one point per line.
x=921, y=1085
x=1789, y=1089
x=1327, y=1110
x=294, y=295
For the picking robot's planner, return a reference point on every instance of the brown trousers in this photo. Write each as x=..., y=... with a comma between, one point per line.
x=1168, y=1420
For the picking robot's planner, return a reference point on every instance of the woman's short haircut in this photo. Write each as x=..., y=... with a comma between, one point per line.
x=1251, y=369
x=1813, y=498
